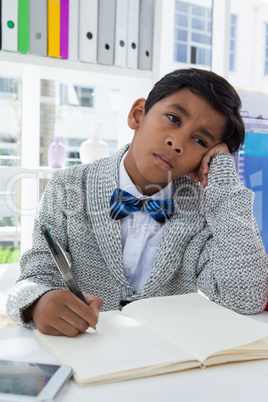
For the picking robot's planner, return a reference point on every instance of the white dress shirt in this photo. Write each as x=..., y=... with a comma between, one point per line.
x=141, y=234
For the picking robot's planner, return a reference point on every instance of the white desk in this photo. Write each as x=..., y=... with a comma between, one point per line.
x=247, y=381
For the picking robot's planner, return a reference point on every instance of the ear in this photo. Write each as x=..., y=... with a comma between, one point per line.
x=136, y=112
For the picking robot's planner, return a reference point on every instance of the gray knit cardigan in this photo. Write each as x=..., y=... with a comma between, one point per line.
x=211, y=242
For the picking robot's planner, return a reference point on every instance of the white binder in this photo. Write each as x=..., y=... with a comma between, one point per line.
x=88, y=30
x=106, y=31
x=73, y=50
x=38, y=27
x=133, y=33
x=10, y=25
x=121, y=21
x=146, y=33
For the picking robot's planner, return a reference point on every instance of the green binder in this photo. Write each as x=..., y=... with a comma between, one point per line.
x=23, y=26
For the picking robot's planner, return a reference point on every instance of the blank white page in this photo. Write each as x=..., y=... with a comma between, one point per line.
x=191, y=320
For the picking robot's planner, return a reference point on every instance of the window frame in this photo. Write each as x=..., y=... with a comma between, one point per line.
x=197, y=52
x=233, y=40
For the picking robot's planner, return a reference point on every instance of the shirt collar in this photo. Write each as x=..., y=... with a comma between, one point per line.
x=126, y=184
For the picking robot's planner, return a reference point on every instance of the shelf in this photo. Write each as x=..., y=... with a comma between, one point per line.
x=44, y=63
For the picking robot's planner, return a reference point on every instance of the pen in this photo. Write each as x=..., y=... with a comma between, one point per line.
x=62, y=263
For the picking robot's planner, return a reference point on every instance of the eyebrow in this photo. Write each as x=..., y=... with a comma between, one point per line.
x=187, y=114
x=180, y=108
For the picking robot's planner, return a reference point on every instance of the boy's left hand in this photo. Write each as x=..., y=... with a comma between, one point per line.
x=200, y=174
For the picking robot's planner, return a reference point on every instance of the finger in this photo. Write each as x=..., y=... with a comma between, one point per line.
x=198, y=175
x=53, y=331
x=196, y=179
x=204, y=166
x=74, y=319
x=203, y=178
x=57, y=327
x=95, y=303
x=205, y=163
x=193, y=176
x=63, y=328
x=222, y=148
x=82, y=310
x=204, y=182
x=48, y=330
x=63, y=321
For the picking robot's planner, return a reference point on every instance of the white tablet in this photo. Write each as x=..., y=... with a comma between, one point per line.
x=29, y=381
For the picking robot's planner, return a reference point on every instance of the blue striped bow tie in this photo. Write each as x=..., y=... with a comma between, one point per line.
x=123, y=204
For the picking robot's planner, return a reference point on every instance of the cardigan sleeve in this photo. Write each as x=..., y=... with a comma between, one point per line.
x=233, y=266
x=39, y=273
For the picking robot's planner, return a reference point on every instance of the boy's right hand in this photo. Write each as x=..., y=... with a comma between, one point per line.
x=60, y=312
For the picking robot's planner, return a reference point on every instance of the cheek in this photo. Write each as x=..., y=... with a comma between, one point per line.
x=194, y=162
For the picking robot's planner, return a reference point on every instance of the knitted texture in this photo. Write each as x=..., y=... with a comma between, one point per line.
x=210, y=243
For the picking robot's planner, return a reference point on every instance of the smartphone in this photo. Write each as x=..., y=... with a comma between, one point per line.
x=28, y=381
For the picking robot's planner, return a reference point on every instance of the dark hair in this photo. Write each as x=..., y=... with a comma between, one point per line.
x=215, y=89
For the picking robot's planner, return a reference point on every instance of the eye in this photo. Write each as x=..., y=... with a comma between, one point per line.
x=201, y=142
x=174, y=119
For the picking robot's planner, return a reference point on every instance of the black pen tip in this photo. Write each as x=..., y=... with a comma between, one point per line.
x=43, y=228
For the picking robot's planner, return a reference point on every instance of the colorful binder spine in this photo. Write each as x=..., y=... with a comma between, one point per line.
x=23, y=26
x=88, y=30
x=10, y=25
x=146, y=31
x=109, y=32
x=38, y=27
x=64, y=29
x=73, y=40
x=106, y=32
x=133, y=33
x=54, y=28
x=121, y=22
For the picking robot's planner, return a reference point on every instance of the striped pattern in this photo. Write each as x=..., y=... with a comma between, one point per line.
x=123, y=204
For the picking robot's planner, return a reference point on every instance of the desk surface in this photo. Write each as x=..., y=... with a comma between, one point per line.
x=247, y=381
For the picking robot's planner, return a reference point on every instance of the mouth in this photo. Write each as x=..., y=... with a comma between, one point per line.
x=164, y=161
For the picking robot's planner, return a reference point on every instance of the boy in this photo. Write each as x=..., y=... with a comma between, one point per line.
x=184, y=134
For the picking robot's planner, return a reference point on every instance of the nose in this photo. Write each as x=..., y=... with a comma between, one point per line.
x=171, y=143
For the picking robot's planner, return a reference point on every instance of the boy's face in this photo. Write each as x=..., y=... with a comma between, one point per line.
x=171, y=139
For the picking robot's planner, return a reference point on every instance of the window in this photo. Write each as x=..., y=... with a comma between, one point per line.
x=233, y=42
x=10, y=155
x=266, y=50
x=193, y=33
x=10, y=126
x=72, y=96
x=75, y=95
x=67, y=110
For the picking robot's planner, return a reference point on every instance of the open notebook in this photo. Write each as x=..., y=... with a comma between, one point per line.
x=160, y=335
